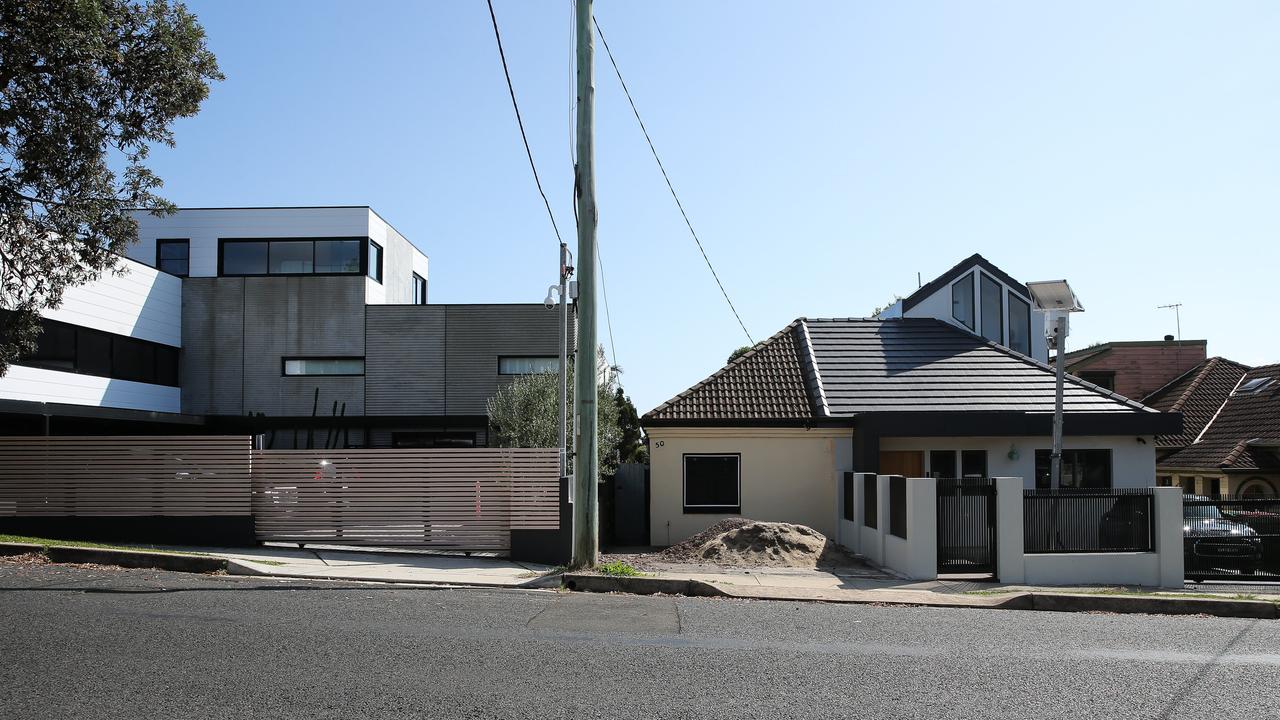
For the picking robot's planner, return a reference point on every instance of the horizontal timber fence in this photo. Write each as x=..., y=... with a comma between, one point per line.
x=193, y=488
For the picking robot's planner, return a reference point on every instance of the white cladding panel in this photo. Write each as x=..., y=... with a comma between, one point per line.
x=141, y=302
x=53, y=386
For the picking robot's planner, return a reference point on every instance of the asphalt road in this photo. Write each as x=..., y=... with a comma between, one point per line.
x=96, y=643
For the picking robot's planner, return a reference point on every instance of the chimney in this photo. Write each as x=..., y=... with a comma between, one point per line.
x=1168, y=338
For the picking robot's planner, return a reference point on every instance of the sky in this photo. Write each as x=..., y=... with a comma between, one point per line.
x=828, y=154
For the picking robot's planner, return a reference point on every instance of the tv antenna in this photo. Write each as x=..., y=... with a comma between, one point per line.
x=1177, y=316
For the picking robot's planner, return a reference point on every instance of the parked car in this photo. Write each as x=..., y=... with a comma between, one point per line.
x=1212, y=541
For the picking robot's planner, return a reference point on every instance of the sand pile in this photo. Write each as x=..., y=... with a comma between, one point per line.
x=748, y=543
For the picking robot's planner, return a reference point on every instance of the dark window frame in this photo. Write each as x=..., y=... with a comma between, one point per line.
x=1010, y=298
x=362, y=270
x=973, y=309
x=1108, y=378
x=451, y=438
x=525, y=357
x=373, y=267
x=708, y=509
x=1047, y=465
x=284, y=360
x=985, y=281
x=419, y=281
x=173, y=241
x=154, y=349
x=971, y=453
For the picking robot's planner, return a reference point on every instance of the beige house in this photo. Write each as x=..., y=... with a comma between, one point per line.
x=770, y=435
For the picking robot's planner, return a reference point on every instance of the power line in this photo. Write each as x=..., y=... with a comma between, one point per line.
x=670, y=187
x=520, y=121
x=604, y=289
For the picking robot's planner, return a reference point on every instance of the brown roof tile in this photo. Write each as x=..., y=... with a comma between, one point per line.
x=1197, y=394
x=1245, y=433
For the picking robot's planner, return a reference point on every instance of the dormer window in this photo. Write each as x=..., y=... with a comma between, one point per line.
x=1019, y=324
x=962, y=301
x=992, y=310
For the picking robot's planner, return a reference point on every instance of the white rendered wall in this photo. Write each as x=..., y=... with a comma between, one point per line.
x=52, y=386
x=1133, y=462
x=142, y=302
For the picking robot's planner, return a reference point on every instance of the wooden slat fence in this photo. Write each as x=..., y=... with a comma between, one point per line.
x=463, y=498
x=203, y=475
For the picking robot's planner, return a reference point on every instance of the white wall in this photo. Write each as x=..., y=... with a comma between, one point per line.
x=52, y=386
x=1133, y=462
x=142, y=303
x=787, y=475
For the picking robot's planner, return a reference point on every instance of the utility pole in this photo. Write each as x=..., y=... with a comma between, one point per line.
x=1060, y=370
x=585, y=458
x=566, y=270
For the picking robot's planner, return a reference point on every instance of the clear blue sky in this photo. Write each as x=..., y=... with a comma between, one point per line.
x=826, y=152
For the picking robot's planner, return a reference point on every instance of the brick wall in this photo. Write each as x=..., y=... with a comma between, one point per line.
x=1142, y=369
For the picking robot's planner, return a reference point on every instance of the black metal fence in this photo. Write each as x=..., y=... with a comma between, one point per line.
x=1088, y=520
x=966, y=525
x=1231, y=539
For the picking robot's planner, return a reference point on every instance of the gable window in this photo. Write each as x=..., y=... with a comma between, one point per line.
x=298, y=366
x=1019, y=324
x=375, y=261
x=419, y=290
x=962, y=301
x=528, y=365
x=712, y=484
x=1080, y=469
x=992, y=311
x=173, y=256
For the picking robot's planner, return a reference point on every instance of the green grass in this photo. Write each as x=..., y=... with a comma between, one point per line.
x=46, y=542
x=617, y=568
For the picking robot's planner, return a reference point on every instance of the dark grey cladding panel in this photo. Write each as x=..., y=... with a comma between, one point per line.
x=477, y=335
x=212, y=346
x=404, y=360
x=303, y=317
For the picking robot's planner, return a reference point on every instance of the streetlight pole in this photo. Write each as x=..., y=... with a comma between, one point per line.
x=1059, y=344
x=585, y=457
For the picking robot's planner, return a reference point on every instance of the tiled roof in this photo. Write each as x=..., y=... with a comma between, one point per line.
x=765, y=383
x=1197, y=394
x=1244, y=435
x=832, y=368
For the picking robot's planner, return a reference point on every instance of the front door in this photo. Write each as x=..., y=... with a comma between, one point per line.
x=907, y=463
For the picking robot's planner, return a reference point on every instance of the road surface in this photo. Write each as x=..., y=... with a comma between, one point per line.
x=98, y=643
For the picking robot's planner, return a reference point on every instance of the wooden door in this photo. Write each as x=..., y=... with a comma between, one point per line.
x=908, y=463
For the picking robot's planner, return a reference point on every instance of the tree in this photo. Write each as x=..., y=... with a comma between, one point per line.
x=523, y=414
x=631, y=447
x=739, y=353
x=87, y=87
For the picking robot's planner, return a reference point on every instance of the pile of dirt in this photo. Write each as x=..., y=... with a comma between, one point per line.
x=740, y=542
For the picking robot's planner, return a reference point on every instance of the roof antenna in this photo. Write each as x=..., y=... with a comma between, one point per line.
x=1177, y=316
x=919, y=284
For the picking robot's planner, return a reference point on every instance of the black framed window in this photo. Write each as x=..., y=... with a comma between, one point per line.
x=992, y=310
x=1080, y=468
x=962, y=301
x=84, y=351
x=1019, y=324
x=528, y=365
x=174, y=256
x=375, y=261
x=303, y=366
x=293, y=256
x=712, y=484
x=1103, y=379
x=973, y=463
x=942, y=463
x=419, y=290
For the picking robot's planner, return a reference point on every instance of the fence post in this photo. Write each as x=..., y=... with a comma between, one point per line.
x=1010, y=564
x=1167, y=532
x=922, y=527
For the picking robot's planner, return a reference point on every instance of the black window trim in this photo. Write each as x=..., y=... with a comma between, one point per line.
x=416, y=279
x=973, y=303
x=1010, y=295
x=1111, y=463
x=707, y=509
x=368, y=267
x=113, y=374
x=524, y=357
x=284, y=359
x=980, y=311
x=363, y=243
x=173, y=241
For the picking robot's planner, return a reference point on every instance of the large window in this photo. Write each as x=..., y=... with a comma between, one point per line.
x=174, y=256
x=375, y=261
x=992, y=310
x=1019, y=324
x=1080, y=468
x=942, y=463
x=973, y=463
x=299, y=366
x=292, y=256
x=70, y=348
x=528, y=365
x=962, y=301
x=712, y=484
x=419, y=290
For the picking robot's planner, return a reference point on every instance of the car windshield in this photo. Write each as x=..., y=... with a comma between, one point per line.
x=1201, y=512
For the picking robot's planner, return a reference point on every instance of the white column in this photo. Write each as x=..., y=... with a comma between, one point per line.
x=1168, y=535
x=922, y=527
x=1010, y=563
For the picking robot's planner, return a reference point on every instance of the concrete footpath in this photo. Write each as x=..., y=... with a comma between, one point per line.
x=384, y=565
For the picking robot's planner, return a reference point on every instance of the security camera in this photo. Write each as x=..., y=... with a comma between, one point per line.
x=553, y=293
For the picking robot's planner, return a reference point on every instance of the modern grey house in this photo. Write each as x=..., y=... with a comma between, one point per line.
x=307, y=326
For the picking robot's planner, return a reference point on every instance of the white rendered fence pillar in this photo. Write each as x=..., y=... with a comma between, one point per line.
x=1010, y=560
x=1168, y=535
x=922, y=527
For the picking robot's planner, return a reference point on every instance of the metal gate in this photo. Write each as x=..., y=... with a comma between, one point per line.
x=966, y=526
x=1226, y=539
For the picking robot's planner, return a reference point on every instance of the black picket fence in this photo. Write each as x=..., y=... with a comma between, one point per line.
x=1231, y=538
x=1088, y=520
